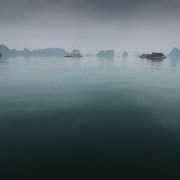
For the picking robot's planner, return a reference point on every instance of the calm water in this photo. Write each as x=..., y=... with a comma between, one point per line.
x=60, y=116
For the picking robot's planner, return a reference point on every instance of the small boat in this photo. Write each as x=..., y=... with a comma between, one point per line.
x=156, y=56
x=0, y=54
x=74, y=55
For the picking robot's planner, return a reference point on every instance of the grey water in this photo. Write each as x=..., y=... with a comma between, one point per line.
x=61, y=116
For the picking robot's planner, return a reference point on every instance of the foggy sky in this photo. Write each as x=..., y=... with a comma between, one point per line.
x=91, y=25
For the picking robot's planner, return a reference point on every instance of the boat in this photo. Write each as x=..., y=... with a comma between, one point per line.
x=0, y=54
x=144, y=55
x=73, y=55
x=156, y=56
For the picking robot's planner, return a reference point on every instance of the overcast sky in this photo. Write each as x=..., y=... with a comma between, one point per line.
x=91, y=25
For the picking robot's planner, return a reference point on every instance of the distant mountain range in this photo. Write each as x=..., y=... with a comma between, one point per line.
x=175, y=53
x=107, y=54
x=48, y=52
x=58, y=52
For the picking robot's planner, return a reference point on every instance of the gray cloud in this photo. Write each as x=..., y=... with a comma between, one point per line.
x=94, y=10
x=90, y=25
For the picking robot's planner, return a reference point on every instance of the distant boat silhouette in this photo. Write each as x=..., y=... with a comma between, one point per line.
x=0, y=54
x=73, y=55
x=156, y=56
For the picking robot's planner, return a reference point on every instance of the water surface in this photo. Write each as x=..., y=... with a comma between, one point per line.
x=69, y=115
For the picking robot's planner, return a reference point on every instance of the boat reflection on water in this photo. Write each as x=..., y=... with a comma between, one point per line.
x=106, y=61
x=154, y=64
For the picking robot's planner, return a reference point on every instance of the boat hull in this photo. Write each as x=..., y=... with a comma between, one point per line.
x=74, y=56
x=157, y=58
x=143, y=57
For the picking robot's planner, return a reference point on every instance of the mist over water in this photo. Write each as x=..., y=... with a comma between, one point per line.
x=60, y=116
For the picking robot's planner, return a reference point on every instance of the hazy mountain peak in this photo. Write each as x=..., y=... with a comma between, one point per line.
x=108, y=53
x=174, y=53
x=3, y=47
x=26, y=50
x=76, y=51
x=125, y=55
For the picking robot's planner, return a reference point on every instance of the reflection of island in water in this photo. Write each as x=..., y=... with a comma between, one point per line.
x=174, y=61
x=174, y=57
x=106, y=62
x=4, y=65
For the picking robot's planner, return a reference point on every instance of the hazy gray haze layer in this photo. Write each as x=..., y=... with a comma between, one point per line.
x=91, y=26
